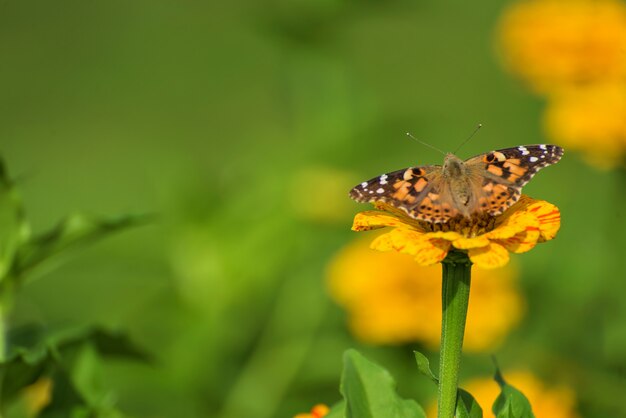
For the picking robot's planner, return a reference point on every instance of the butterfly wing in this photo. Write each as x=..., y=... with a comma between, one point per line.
x=419, y=191
x=500, y=175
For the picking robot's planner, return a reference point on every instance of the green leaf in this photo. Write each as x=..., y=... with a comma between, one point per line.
x=106, y=342
x=423, y=366
x=118, y=344
x=511, y=403
x=21, y=369
x=73, y=232
x=466, y=405
x=66, y=400
x=13, y=227
x=337, y=411
x=75, y=353
x=369, y=391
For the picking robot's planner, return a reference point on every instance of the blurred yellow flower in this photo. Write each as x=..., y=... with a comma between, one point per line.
x=38, y=395
x=328, y=187
x=318, y=411
x=390, y=299
x=487, y=241
x=546, y=401
x=574, y=53
x=591, y=119
x=553, y=44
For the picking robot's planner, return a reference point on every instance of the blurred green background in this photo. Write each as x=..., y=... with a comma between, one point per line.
x=242, y=125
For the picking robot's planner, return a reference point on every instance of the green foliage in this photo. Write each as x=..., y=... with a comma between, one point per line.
x=12, y=222
x=337, y=411
x=71, y=359
x=71, y=233
x=205, y=112
x=21, y=253
x=510, y=403
x=369, y=391
x=466, y=405
x=423, y=366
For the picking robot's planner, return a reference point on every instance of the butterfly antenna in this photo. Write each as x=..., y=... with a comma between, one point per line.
x=480, y=125
x=424, y=143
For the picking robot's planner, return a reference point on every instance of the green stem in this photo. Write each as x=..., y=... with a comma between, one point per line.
x=3, y=349
x=455, y=298
x=3, y=334
x=4, y=308
x=6, y=303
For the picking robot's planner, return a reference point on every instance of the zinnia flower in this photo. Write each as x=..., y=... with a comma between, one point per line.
x=554, y=44
x=591, y=119
x=318, y=411
x=546, y=401
x=487, y=240
x=573, y=53
x=392, y=300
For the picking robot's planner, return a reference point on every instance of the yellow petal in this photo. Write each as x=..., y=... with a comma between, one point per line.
x=426, y=249
x=520, y=206
x=320, y=410
x=373, y=219
x=401, y=240
x=492, y=256
x=518, y=221
x=522, y=242
x=447, y=235
x=549, y=218
x=467, y=243
x=433, y=251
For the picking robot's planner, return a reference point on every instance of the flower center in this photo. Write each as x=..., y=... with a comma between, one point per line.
x=468, y=227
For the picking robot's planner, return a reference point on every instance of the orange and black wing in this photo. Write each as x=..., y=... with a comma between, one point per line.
x=419, y=191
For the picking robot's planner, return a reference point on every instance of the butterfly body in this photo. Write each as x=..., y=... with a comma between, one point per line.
x=485, y=184
x=459, y=177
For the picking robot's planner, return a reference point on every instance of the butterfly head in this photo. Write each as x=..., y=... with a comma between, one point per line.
x=453, y=166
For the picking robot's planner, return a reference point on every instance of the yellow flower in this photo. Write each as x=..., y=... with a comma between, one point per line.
x=546, y=401
x=329, y=186
x=487, y=240
x=38, y=395
x=318, y=411
x=591, y=119
x=554, y=43
x=392, y=300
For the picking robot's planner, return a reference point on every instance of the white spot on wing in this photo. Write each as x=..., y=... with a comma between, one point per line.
x=383, y=179
x=523, y=150
x=543, y=147
x=533, y=159
x=364, y=184
x=380, y=190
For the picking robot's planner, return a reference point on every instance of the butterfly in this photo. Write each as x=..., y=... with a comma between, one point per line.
x=488, y=183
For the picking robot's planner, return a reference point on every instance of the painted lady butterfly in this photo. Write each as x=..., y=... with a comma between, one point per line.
x=485, y=184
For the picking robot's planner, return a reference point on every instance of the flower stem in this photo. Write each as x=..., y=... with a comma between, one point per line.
x=455, y=299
